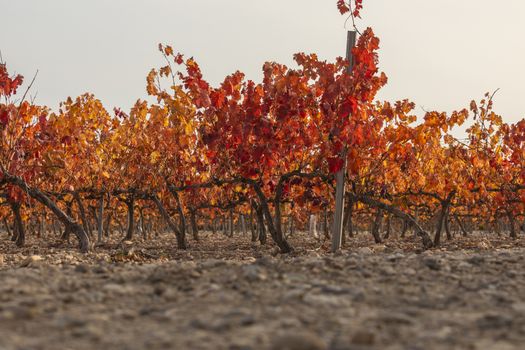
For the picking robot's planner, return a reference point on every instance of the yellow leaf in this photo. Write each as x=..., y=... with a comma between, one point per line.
x=188, y=128
x=154, y=157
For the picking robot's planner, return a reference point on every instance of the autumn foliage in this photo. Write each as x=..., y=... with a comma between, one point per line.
x=267, y=150
x=353, y=7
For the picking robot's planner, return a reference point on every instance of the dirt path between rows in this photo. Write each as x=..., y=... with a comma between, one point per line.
x=358, y=299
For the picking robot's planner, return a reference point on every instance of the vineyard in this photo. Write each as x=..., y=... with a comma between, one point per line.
x=199, y=168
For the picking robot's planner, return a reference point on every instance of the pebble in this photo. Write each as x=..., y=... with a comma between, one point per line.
x=119, y=289
x=432, y=263
x=365, y=251
x=326, y=300
x=254, y=273
x=396, y=257
x=17, y=312
x=491, y=321
x=298, y=341
x=395, y=318
x=363, y=337
x=379, y=248
x=388, y=270
x=519, y=307
x=476, y=260
x=410, y=271
x=127, y=247
x=68, y=321
x=231, y=320
x=31, y=261
x=336, y=290
x=100, y=269
x=82, y=268
x=211, y=263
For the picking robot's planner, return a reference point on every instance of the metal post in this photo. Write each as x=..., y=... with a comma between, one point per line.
x=337, y=227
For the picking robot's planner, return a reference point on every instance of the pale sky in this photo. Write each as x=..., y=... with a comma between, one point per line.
x=440, y=54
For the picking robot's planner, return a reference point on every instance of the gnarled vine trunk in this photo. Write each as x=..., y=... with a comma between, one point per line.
x=130, y=204
x=512, y=225
x=274, y=227
x=194, y=227
x=66, y=220
x=426, y=240
x=447, y=226
x=230, y=225
x=260, y=225
x=181, y=239
x=461, y=227
x=376, y=226
x=443, y=214
x=83, y=217
x=252, y=225
x=18, y=225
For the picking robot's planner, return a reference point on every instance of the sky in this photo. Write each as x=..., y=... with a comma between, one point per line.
x=439, y=54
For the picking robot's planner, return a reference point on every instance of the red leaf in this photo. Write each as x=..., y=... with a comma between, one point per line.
x=42, y=120
x=335, y=164
x=217, y=98
x=66, y=140
x=343, y=8
x=358, y=6
x=8, y=85
x=338, y=146
x=244, y=157
x=349, y=106
x=4, y=117
x=250, y=173
x=358, y=135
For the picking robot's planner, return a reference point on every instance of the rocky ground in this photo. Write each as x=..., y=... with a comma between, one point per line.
x=229, y=294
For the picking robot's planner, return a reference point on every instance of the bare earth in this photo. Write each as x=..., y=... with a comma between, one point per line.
x=231, y=294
